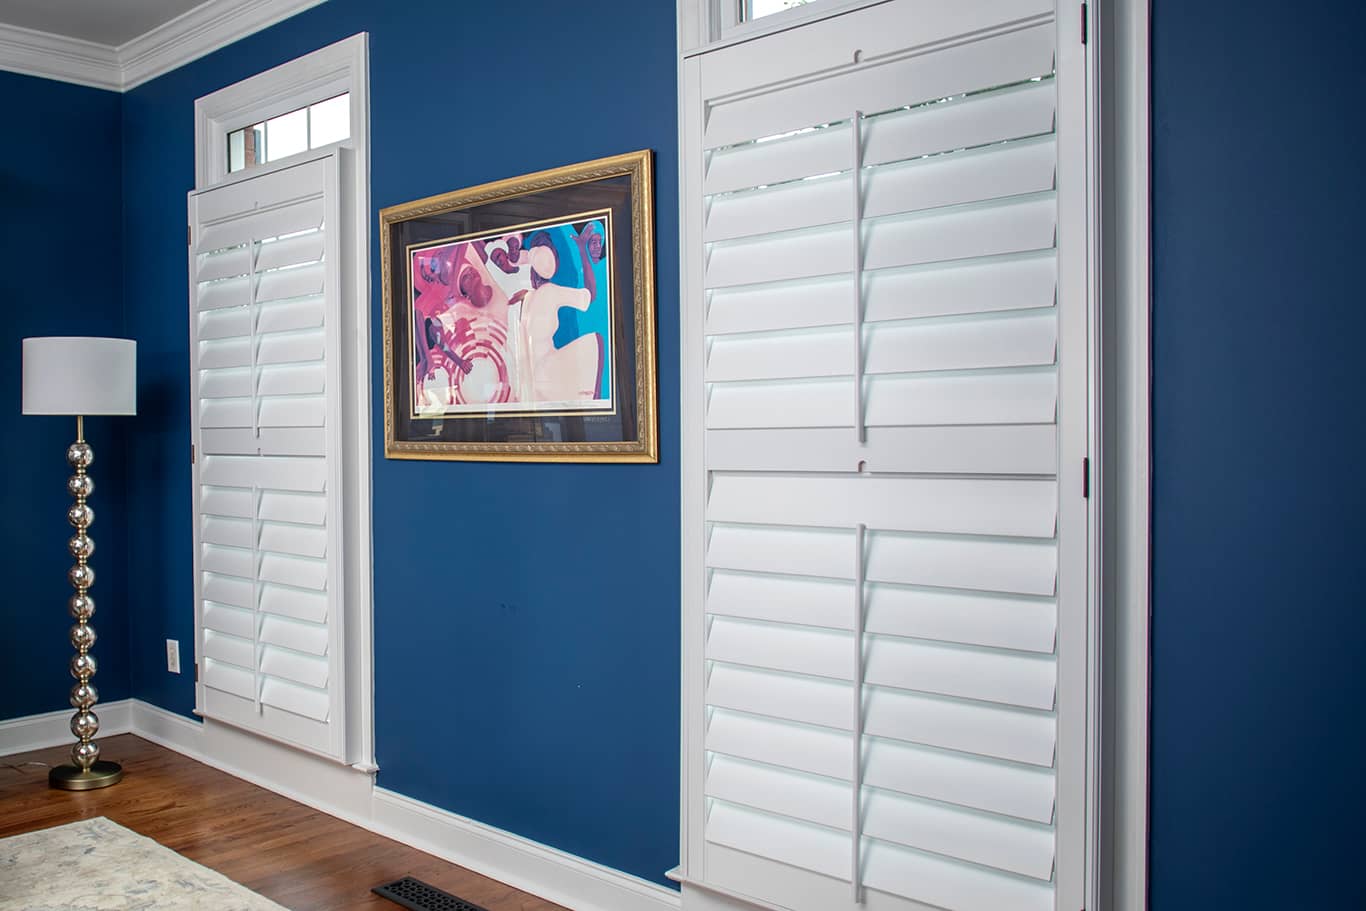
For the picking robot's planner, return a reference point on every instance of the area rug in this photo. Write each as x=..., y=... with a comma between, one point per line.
x=98, y=865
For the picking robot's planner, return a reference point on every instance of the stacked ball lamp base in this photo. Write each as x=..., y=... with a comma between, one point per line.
x=86, y=771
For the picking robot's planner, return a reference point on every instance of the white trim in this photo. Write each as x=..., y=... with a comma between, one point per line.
x=1096, y=448
x=52, y=729
x=311, y=780
x=691, y=28
x=689, y=25
x=710, y=25
x=175, y=732
x=201, y=31
x=49, y=56
x=704, y=896
x=1124, y=31
x=527, y=865
x=350, y=795
x=1076, y=761
x=328, y=71
x=339, y=67
x=206, y=28
x=692, y=474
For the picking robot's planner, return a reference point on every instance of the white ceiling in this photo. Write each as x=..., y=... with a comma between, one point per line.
x=108, y=22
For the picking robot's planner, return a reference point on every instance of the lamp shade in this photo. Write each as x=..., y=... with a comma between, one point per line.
x=79, y=375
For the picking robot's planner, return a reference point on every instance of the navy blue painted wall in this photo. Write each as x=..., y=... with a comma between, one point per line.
x=494, y=698
x=1259, y=519
x=526, y=665
x=59, y=275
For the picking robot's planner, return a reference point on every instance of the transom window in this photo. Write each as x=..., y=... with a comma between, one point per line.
x=310, y=127
x=758, y=9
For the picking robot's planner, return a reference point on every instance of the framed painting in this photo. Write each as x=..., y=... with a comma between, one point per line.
x=519, y=319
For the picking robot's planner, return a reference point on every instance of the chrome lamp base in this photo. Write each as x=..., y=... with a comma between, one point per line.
x=101, y=774
x=86, y=771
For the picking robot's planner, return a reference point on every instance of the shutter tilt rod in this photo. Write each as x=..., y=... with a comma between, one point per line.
x=256, y=597
x=856, y=128
x=252, y=309
x=856, y=827
x=256, y=497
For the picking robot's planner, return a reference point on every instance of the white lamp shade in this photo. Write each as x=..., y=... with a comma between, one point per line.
x=79, y=375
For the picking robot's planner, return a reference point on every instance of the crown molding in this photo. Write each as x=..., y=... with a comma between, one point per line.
x=48, y=56
x=191, y=35
x=202, y=30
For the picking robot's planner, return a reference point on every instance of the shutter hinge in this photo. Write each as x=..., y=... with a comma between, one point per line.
x=1086, y=488
x=192, y=453
x=196, y=680
x=1084, y=24
x=189, y=236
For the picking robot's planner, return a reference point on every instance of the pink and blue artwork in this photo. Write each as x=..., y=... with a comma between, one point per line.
x=515, y=320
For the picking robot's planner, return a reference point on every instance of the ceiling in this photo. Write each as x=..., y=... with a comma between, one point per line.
x=108, y=22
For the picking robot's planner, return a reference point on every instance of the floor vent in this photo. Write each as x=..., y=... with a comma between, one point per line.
x=417, y=895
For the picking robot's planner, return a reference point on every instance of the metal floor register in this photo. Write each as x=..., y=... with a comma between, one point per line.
x=419, y=896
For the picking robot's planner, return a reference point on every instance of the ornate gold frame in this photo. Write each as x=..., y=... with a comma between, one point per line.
x=645, y=448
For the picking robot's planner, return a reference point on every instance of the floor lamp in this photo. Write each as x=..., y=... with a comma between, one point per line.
x=81, y=376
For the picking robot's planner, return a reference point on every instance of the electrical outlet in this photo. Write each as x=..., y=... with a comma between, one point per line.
x=173, y=655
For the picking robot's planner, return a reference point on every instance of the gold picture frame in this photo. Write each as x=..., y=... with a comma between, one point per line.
x=498, y=298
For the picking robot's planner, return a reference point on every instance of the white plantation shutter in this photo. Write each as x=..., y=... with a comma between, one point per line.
x=265, y=329
x=878, y=315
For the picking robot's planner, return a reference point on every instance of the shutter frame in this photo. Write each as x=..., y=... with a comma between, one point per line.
x=752, y=443
x=268, y=433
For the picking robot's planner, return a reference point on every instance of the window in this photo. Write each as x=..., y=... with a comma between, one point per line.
x=280, y=280
x=886, y=396
x=712, y=21
x=757, y=9
x=307, y=128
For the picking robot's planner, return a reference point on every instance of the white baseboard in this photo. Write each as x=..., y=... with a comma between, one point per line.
x=336, y=790
x=351, y=795
x=52, y=729
x=554, y=875
x=698, y=898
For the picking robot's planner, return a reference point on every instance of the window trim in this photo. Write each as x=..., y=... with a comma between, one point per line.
x=707, y=25
x=1121, y=46
x=322, y=74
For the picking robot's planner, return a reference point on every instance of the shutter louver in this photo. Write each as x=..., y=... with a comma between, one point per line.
x=879, y=276
x=265, y=323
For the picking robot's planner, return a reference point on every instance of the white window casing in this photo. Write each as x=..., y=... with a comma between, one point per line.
x=716, y=23
x=1121, y=45
x=326, y=73
x=297, y=331
x=888, y=616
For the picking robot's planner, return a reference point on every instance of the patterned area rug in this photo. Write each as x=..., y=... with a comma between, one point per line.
x=98, y=865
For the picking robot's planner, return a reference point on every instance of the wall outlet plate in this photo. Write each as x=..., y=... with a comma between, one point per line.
x=173, y=655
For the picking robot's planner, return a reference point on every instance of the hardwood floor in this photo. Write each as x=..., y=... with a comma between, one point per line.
x=290, y=853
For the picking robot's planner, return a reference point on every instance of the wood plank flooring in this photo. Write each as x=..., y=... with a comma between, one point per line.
x=290, y=853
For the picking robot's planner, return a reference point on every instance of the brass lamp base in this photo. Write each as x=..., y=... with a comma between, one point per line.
x=71, y=778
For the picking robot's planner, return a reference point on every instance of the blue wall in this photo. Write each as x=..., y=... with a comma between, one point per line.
x=59, y=275
x=540, y=695
x=1259, y=518
x=535, y=686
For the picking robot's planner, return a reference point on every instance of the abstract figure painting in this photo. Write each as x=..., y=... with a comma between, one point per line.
x=519, y=319
x=513, y=321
